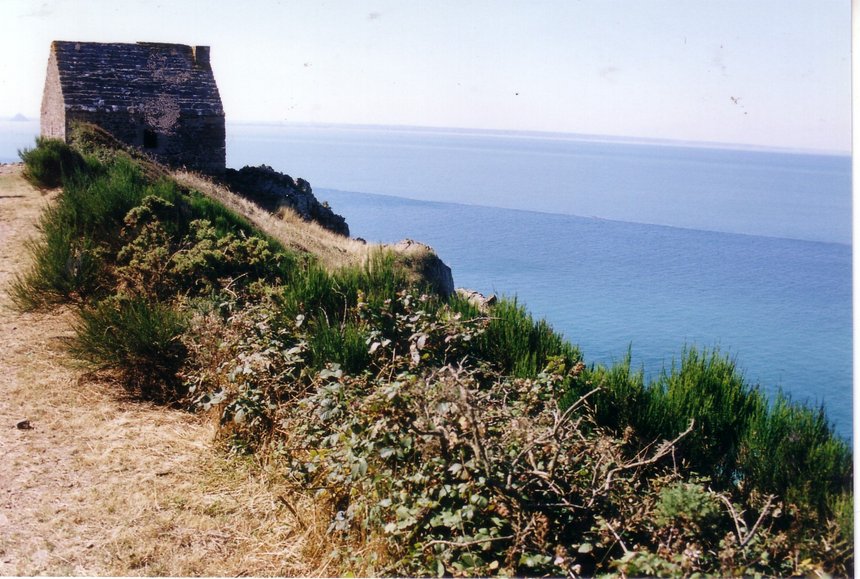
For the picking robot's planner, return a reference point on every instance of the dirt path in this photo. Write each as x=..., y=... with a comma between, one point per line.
x=102, y=485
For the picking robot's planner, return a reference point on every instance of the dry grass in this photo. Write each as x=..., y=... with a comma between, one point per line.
x=102, y=485
x=334, y=251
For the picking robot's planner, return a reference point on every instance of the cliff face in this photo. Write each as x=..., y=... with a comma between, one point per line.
x=422, y=259
x=272, y=190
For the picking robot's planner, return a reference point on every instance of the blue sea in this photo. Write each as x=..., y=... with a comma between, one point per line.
x=644, y=246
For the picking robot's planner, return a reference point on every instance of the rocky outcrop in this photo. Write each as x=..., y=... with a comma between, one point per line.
x=273, y=190
x=421, y=259
x=477, y=299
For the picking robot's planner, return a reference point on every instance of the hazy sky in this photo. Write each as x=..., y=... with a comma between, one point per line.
x=763, y=72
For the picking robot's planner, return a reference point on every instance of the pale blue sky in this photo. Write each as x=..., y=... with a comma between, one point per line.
x=763, y=72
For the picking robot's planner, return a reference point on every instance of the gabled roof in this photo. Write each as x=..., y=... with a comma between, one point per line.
x=110, y=77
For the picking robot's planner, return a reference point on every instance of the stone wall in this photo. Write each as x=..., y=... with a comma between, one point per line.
x=53, y=118
x=161, y=98
x=196, y=143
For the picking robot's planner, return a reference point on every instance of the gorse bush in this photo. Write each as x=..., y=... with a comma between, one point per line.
x=516, y=343
x=64, y=268
x=139, y=337
x=741, y=442
x=437, y=437
x=49, y=162
x=790, y=450
x=709, y=388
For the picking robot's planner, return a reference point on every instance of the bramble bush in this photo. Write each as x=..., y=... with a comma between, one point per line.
x=433, y=461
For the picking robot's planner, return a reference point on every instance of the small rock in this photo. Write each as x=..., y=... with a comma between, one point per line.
x=23, y=425
x=477, y=299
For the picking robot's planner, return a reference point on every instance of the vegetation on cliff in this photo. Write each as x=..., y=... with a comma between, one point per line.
x=436, y=437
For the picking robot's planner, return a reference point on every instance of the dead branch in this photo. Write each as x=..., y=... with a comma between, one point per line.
x=745, y=538
x=666, y=448
x=466, y=543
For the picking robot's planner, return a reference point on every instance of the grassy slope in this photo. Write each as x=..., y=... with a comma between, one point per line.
x=103, y=485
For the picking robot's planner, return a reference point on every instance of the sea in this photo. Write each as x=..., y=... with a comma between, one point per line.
x=639, y=247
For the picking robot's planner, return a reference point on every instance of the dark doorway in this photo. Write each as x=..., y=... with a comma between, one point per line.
x=150, y=139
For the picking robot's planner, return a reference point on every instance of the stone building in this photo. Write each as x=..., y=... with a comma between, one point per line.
x=161, y=98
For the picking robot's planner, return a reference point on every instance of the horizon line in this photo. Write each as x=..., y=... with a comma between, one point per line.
x=560, y=135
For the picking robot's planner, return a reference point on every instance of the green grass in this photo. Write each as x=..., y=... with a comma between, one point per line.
x=329, y=304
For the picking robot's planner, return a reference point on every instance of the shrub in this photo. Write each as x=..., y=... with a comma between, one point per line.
x=164, y=257
x=140, y=338
x=621, y=400
x=515, y=342
x=63, y=268
x=708, y=388
x=792, y=451
x=47, y=165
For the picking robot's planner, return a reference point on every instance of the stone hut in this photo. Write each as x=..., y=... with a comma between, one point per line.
x=161, y=98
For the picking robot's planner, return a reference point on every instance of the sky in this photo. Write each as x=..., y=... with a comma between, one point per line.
x=774, y=73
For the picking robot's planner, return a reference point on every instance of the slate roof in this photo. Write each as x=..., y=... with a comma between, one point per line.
x=112, y=77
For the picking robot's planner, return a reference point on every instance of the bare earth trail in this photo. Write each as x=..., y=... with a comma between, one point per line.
x=105, y=485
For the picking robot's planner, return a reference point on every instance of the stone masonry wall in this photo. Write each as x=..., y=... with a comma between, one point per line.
x=161, y=98
x=53, y=118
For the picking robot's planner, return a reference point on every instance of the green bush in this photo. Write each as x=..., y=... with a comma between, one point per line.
x=739, y=441
x=792, y=451
x=138, y=337
x=620, y=402
x=63, y=268
x=707, y=388
x=47, y=165
x=515, y=342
